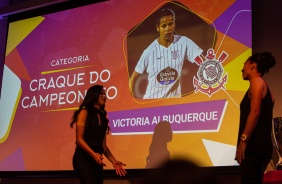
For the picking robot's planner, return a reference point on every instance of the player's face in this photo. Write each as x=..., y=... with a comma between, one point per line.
x=166, y=28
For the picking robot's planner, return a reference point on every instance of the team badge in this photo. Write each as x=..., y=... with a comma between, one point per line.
x=174, y=54
x=210, y=74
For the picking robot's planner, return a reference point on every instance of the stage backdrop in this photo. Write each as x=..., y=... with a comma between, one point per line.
x=51, y=60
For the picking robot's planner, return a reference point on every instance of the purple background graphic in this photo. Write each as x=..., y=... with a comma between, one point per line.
x=239, y=27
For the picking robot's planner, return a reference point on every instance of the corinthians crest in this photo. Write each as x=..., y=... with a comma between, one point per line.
x=210, y=72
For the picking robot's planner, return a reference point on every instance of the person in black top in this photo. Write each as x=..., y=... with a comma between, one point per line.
x=254, y=148
x=91, y=128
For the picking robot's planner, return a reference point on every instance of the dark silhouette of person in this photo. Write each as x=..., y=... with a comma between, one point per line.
x=158, y=151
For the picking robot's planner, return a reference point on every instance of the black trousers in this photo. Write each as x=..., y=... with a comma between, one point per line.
x=87, y=169
x=252, y=169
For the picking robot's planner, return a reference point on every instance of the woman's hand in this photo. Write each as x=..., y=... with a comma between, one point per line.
x=240, y=153
x=98, y=158
x=118, y=165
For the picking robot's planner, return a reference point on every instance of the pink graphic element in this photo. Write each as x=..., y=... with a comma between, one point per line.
x=14, y=162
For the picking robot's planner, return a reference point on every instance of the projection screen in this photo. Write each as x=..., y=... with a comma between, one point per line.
x=52, y=59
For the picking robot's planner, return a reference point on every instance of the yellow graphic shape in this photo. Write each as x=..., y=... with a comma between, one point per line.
x=235, y=80
x=10, y=95
x=19, y=30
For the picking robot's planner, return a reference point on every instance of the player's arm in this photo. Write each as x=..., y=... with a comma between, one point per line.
x=132, y=81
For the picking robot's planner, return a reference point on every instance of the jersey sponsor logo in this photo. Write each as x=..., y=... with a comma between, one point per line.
x=210, y=74
x=167, y=76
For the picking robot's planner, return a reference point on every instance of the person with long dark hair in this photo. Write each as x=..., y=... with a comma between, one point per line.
x=158, y=151
x=91, y=129
x=254, y=149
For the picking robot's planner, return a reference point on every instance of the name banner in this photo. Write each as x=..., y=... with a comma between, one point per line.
x=196, y=117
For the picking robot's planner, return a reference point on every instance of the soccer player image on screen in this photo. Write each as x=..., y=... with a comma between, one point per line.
x=164, y=58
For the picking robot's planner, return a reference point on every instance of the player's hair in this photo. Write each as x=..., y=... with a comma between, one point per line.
x=164, y=12
x=264, y=61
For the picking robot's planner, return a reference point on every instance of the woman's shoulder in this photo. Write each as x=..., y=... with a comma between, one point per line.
x=83, y=111
x=257, y=82
x=258, y=85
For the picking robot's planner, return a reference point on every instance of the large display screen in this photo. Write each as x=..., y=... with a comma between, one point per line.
x=184, y=103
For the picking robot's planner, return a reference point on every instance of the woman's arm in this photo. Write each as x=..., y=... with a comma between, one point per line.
x=118, y=165
x=257, y=93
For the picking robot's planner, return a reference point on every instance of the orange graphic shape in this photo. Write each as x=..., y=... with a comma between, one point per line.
x=228, y=45
x=16, y=64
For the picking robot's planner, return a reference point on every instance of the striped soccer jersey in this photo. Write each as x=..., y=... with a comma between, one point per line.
x=164, y=66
